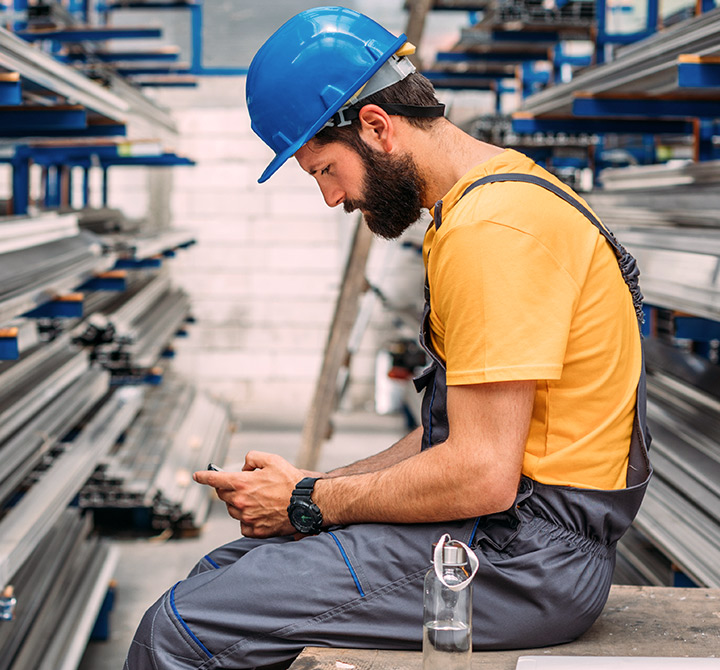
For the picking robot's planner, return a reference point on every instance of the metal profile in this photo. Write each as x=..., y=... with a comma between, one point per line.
x=22, y=232
x=41, y=434
x=36, y=513
x=681, y=512
x=43, y=70
x=33, y=583
x=648, y=66
x=37, y=378
x=30, y=277
x=179, y=431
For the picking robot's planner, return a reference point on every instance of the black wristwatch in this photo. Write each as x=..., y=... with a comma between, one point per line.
x=304, y=514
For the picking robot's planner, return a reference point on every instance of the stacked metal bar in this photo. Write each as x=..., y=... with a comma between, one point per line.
x=680, y=193
x=179, y=431
x=667, y=217
x=130, y=331
x=59, y=590
x=681, y=512
x=35, y=274
x=656, y=212
x=25, y=524
x=648, y=66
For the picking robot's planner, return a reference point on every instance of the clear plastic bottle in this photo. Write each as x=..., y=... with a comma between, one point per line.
x=447, y=617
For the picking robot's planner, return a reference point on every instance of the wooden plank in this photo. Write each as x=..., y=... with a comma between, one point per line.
x=637, y=621
x=418, y=10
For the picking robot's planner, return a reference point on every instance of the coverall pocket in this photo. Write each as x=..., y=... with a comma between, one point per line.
x=500, y=529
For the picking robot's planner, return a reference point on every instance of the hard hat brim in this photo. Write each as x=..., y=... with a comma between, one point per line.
x=277, y=162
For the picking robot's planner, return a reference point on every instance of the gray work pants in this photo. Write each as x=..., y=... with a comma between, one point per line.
x=256, y=602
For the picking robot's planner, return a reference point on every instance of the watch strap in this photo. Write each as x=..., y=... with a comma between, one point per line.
x=304, y=488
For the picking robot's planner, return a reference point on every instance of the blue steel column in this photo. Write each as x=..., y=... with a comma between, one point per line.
x=21, y=183
x=196, y=23
x=105, y=187
x=86, y=186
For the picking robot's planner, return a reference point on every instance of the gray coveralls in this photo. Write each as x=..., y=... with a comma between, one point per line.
x=545, y=564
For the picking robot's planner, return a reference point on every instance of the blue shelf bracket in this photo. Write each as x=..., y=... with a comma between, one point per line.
x=114, y=280
x=10, y=91
x=698, y=71
x=68, y=306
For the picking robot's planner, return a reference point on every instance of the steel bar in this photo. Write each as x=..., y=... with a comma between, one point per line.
x=648, y=66
x=35, y=380
x=640, y=562
x=59, y=599
x=38, y=510
x=34, y=580
x=178, y=432
x=672, y=174
x=133, y=309
x=681, y=513
x=154, y=332
x=22, y=452
x=30, y=277
x=151, y=244
x=16, y=55
x=71, y=636
x=201, y=438
x=21, y=233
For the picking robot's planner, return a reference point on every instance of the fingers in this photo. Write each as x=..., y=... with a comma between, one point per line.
x=218, y=480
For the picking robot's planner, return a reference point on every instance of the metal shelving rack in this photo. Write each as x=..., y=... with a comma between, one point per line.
x=87, y=318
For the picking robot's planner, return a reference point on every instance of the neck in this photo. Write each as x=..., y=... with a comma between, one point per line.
x=444, y=154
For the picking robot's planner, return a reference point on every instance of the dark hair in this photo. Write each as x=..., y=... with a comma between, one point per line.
x=413, y=90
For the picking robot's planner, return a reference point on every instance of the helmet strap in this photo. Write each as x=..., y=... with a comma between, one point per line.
x=346, y=115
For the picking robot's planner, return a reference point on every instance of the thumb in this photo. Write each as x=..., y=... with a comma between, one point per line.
x=255, y=460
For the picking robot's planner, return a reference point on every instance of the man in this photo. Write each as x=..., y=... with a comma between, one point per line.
x=533, y=444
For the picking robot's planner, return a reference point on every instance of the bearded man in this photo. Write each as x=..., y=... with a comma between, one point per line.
x=533, y=446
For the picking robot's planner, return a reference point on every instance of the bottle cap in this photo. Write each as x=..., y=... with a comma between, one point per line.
x=452, y=554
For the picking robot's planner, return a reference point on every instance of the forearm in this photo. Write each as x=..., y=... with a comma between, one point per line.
x=405, y=448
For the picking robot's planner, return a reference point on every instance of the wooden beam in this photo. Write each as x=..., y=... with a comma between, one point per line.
x=418, y=10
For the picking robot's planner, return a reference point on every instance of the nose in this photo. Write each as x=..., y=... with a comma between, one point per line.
x=332, y=194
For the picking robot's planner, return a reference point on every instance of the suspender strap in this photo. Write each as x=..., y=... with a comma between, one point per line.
x=628, y=265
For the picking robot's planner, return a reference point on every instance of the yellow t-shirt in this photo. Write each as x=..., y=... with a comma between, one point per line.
x=523, y=286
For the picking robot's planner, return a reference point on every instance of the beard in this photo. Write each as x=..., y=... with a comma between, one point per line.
x=393, y=192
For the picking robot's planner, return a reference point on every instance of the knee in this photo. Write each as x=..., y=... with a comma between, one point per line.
x=160, y=643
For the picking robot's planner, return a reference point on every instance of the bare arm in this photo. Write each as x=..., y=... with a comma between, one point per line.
x=402, y=449
x=476, y=471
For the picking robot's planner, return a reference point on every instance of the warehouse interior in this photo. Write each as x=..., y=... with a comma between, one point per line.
x=160, y=309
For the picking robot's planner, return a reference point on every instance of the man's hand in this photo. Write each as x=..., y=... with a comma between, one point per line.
x=258, y=496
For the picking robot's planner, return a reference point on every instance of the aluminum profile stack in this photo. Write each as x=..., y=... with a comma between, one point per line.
x=25, y=524
x=179, y=431
x=681, y=513
x=679, y=193
x=648, y=66
x=668, y=217
x=141, y=322
x=45, y=264
x=59, y=589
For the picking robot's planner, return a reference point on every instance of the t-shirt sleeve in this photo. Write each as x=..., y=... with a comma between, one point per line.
x=504, y=304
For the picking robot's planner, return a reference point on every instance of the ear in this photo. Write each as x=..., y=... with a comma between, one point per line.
x=377, y=128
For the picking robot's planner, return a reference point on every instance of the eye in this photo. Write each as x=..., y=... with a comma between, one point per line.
x=325, y=170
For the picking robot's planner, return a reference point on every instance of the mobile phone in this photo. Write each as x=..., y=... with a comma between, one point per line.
x=212, y=466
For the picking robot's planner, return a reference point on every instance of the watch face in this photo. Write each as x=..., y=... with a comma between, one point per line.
x=305, y=517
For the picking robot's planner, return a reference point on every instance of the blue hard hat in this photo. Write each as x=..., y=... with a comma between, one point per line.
x=307, y=70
